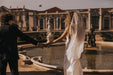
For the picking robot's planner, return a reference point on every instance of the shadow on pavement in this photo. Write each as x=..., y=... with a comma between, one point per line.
x=51, y=72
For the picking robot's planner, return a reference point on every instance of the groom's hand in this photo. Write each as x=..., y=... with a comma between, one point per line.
x=40, y=45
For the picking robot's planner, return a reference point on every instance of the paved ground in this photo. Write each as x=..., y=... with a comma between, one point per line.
x=38, y=73
x=25, y=69
x=54, y=73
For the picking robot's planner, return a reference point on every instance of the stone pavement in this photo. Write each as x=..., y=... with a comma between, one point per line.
x=56, y=73
x=38, y=73
x=25, y=69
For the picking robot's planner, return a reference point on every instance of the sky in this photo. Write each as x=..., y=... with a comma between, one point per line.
x=63, y=4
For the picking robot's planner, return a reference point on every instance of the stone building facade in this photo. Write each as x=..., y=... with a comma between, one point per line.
x=31, y=20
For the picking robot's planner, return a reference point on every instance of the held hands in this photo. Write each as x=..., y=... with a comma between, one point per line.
x=42, y=45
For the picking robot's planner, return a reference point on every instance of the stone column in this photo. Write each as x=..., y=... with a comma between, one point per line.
x=60, y=24
x=38, y=24
x=24, y=21
x=112, y=22
x=0, y=19
x=46, y=21
x=17, y=18
x=54, y=24
x=43, y=23
x=110, y=27
x=30, y=21
x=34, y=20
x=89, y=19
x=100, y=19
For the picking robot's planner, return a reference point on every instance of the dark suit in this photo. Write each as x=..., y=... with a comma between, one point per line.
x=8, y=47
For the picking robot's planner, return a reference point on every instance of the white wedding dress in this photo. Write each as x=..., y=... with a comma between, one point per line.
x=74, y=46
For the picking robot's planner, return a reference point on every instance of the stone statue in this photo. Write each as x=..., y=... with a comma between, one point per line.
x=91, y=38
x=49, y=32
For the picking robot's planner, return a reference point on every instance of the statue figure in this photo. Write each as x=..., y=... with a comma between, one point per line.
x=91, y=38
x=49, y=32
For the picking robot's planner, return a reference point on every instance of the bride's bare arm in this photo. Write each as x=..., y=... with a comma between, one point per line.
x=62, y=36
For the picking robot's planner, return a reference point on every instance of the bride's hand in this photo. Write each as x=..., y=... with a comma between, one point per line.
x=42, y=45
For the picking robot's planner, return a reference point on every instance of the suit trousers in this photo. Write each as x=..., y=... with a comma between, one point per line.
x=13, y=64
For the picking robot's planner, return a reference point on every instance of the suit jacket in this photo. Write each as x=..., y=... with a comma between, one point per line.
x=8, y=40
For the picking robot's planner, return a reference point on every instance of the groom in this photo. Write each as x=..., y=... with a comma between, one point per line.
x=8, y=44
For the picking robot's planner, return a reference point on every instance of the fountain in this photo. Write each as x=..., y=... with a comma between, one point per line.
x=92, y=60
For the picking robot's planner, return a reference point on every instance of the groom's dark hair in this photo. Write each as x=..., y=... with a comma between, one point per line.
x=5, y=18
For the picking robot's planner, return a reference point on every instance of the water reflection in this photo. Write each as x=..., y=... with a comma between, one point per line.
x=98, y=59
x=91, y=58
x=102, y=58
x=52, y=55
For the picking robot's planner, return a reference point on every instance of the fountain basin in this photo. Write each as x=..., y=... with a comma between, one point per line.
x=97, y=59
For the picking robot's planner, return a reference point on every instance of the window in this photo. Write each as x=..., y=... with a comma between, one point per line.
x=56, y=27
x=58, y=23
x=36, y=21
x=84, y=19
x=41, y=23
x=95, y=22
x=106, y=22
x=62, y=23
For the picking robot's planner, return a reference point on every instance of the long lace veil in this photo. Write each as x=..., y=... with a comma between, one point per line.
x=77, y=35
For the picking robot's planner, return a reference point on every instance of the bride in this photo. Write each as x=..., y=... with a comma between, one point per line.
x=75, y=34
